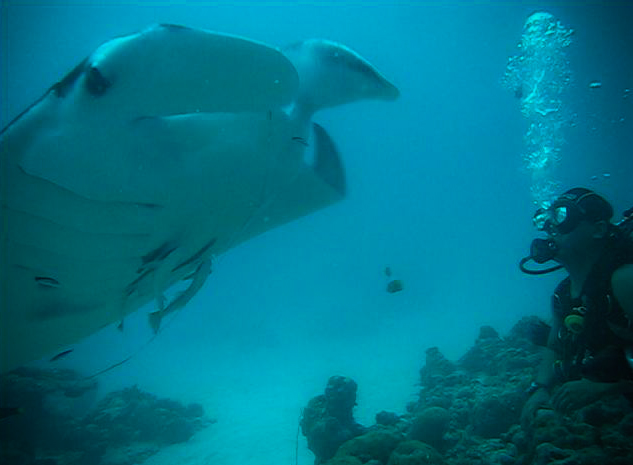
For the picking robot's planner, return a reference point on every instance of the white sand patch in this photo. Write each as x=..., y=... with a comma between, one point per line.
x=257, y=397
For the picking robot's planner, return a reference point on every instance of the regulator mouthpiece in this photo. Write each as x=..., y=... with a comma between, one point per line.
x=541, y=251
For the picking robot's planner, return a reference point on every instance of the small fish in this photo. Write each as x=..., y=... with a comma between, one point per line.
x=388, y=272
x=394, y=286
x=518, y=92
x=46, y=281
x=301, y=140
x=595, y=84
x=6, y=412
x=61, y=355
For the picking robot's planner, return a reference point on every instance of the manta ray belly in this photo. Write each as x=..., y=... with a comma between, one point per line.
x=157, y=152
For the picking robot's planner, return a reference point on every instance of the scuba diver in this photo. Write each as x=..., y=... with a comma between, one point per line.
x=589, y=351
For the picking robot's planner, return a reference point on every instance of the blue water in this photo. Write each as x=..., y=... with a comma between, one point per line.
x=437, y=192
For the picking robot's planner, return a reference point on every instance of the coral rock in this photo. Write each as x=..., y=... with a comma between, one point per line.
x=415, y=453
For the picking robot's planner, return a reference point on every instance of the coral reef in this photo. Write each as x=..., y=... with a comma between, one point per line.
x=125, y=427
x=131, y=414
x=468, y=413
x=430, y=426
x=328, y=421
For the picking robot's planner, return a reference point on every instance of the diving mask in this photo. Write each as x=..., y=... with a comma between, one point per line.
x=560, y=218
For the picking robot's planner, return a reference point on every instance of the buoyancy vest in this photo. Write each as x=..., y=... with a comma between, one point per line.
x=595, y=332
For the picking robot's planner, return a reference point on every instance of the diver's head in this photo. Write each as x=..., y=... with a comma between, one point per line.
x=575, y=223
x=573, y=209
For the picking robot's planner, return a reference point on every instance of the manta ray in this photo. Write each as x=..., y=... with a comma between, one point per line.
x=158, y=152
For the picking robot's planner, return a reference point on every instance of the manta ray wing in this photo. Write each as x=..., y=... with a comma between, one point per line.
x=84, y=198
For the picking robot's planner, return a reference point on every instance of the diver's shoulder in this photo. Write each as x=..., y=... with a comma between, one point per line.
x=622, y=285
x=623, y=276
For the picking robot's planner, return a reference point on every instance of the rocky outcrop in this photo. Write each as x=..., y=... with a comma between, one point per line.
x=468, y=413
x=124, y=428
x=328, y=420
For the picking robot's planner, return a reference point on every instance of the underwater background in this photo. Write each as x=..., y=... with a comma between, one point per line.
x=437, y=191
